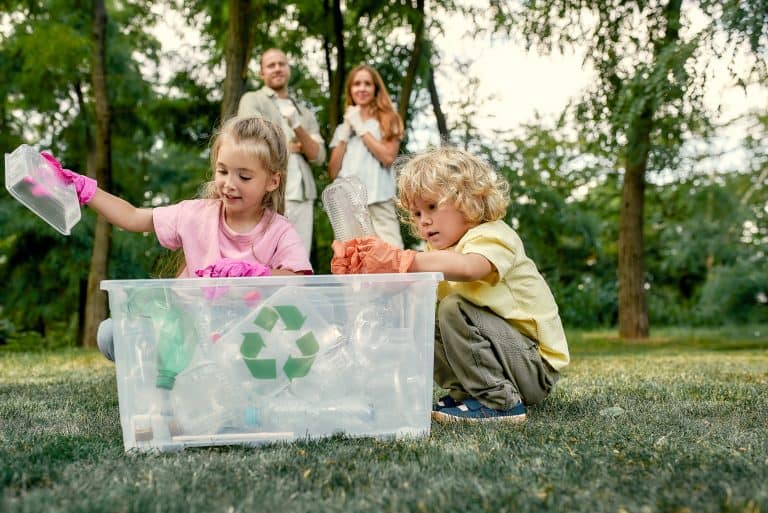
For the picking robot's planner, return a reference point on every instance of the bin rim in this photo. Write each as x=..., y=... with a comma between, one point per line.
x=266, y=281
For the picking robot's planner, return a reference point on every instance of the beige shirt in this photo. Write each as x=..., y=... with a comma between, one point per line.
x=514, y=290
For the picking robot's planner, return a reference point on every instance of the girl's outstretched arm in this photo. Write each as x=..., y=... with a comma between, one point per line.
x=120, y=213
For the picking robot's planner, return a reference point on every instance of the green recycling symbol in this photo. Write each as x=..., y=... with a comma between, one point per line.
x=253, y=343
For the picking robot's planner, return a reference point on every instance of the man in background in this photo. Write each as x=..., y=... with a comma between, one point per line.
x=276, y=103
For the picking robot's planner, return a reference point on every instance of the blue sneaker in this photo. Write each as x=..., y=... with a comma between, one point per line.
x=472, y=410
x=445, y=402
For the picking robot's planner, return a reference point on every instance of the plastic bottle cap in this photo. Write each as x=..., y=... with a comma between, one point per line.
x=165, y=379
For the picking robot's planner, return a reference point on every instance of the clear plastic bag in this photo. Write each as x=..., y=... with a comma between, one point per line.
x=31, y=180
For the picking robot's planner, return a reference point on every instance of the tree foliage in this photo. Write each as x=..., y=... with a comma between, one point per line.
x=705, y=236
x=648, y=97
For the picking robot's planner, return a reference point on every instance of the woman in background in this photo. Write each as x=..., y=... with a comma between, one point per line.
x=365, y=146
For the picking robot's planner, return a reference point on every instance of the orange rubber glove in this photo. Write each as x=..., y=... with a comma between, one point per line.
x=345, y=258
x=370, y=255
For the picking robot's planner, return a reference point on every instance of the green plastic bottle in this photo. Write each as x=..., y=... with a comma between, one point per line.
x=174, y=349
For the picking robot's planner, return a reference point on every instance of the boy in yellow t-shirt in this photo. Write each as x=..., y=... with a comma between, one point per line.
x=499, y=341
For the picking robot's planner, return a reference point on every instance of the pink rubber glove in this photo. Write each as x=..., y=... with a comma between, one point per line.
x=370, y=255
x=85, y=186
x=233, y=268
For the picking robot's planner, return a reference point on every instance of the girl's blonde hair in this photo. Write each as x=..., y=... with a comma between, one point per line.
x=263, y=140
x=451, y=176
x=389, y=120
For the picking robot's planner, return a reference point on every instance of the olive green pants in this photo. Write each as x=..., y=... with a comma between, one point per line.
x=478, y=354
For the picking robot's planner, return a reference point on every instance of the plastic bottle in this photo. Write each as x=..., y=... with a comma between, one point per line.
x=346, y=203
x=174, y=349
x=349, y=414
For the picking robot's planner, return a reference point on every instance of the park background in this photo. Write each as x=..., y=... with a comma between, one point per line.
x=642, y=199
x=638, y=187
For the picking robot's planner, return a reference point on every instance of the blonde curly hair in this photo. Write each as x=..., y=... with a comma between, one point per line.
x=451, y=175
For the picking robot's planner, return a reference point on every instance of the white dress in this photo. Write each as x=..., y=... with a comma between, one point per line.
x=358, y=161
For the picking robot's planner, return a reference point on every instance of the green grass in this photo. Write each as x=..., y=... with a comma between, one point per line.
x=674, y=424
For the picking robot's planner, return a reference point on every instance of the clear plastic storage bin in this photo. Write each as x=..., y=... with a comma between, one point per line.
x=216, y=361
x=31, y=180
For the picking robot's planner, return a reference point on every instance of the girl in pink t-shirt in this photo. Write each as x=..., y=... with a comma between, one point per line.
x=237, y=228
x=239, y=217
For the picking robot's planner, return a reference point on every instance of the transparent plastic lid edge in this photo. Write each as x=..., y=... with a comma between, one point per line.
x=271, y=281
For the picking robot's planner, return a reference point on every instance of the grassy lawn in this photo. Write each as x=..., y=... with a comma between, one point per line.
x=675, y=424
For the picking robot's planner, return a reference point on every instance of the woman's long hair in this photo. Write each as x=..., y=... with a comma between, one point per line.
x=383, y=109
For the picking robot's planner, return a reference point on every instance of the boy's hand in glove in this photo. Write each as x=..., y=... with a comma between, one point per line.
x=369, y=255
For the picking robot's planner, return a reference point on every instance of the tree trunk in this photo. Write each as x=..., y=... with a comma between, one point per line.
x=237, y=55
x=88, y=138
x=337, y=78
x=327, y=57
x=413, y=65
x=633, y=311
x=96, y=300
x=442, y=125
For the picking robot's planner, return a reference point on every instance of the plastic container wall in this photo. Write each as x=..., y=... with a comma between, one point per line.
x=251, y=360
x=30, y=180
